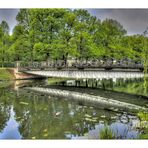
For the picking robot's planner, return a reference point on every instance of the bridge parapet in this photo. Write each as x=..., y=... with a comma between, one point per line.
x=75, y=64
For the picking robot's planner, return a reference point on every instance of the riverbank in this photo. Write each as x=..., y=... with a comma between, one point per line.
x=10, y=74
x=6, y=74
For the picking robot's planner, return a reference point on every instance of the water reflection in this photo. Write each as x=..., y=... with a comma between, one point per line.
x=4, y=110
x=145, y=85
x=33, y=115
x=10, y=131
x=132, y=85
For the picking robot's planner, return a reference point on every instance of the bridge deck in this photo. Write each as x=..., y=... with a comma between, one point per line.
x=86, y=74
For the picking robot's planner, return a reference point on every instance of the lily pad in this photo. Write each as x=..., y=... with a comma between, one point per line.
x=45, y=130
x=45, y=135
x=101, y=122
x=103, y=116
x=17, y=118
x=113, y=117
x=95, y=118
x=88, y=116
x=91, y=120
x=24, y=103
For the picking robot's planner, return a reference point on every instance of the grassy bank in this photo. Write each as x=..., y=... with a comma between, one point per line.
x=5, y=74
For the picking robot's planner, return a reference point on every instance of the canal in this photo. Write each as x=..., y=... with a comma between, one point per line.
x=53, y=109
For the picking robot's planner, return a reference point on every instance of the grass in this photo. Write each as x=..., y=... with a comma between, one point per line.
x=106, y=133
x=5, y=74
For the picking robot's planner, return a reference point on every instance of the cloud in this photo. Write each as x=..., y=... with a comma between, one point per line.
x=135, y=21
x=9, y=16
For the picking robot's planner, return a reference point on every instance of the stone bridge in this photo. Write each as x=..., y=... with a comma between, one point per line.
x=93, y=70
x=89, y=74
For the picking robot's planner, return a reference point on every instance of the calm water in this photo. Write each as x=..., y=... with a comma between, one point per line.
x=27, y=114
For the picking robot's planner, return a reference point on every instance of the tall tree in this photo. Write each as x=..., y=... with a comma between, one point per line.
x=83, y=37
x=45, y=26
x=4, y=42
x=111, y=31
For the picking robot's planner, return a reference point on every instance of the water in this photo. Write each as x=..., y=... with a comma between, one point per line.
x=28, y=114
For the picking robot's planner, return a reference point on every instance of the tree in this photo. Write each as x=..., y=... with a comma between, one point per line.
x=52, y=34
x=145, y=59
x=45, y=26
x=111, y=31
x=23, y=32
x=86, y=30
x=4, y=42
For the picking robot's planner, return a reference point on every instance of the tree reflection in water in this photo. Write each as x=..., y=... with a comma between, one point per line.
x=42, y=117
x=129, y=85
x=4, y=108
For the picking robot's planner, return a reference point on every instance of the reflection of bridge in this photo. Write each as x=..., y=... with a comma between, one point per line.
x=98, y=101
x=82, y=70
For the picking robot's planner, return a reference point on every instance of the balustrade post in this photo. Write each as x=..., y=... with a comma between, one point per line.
x=17, y=66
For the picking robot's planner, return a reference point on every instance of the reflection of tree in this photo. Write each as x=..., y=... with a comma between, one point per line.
x=145, y=58
x=146, y=84
x=129, y=85
x=5, y=107
x=38, y=118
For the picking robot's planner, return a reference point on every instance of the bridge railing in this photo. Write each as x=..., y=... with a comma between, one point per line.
x=79, y=64
x=7, y=64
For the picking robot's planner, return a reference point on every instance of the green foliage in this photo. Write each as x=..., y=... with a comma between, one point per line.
x=144, y=124
x=143, y=136
x=106, y=133
x=132, y=88
x=143, y=116
x=49, y=34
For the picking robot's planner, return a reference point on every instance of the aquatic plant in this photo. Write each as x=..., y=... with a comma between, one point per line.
x=143, y=136
x=143, y=116
x=107, y=133
x=143, y=125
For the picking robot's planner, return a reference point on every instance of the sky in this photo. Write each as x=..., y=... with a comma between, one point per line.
x=135, y=21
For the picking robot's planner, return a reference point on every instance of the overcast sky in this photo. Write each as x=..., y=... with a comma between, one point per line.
x=135, y=21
